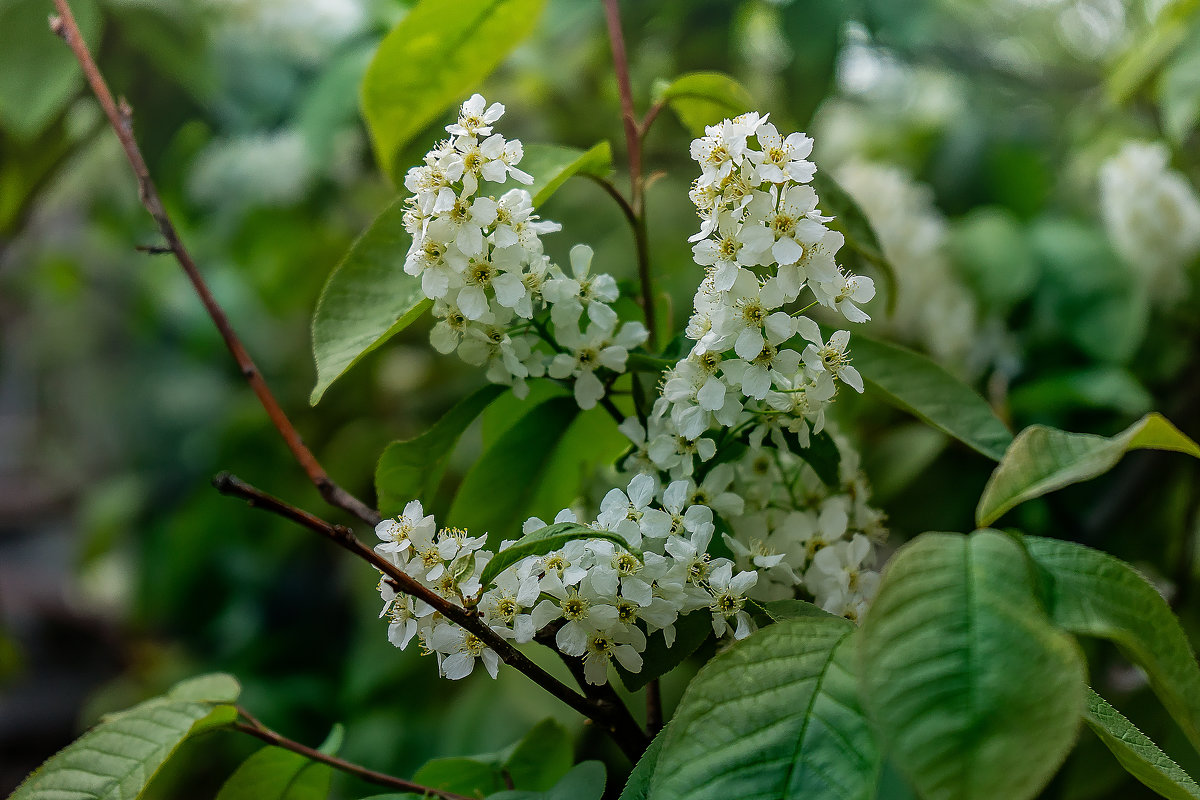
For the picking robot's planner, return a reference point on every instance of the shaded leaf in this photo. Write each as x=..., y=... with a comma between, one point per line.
x=1091, y=593
x=116, y=759
x=274, y=773
x=541, y=758
x=432, y=60
x=861, y=242
x=1140, y=756
x=822, y=455
x=1042, y=459
x=775, y=716
x=962, y=671
x=412, y=469
x=367, y=299
x=638, y=785
x=704, y=98
x=474, y=777
x=585, y=781
x=495, y=492
x=916, y=384
x=545, y=540
x=691, y=631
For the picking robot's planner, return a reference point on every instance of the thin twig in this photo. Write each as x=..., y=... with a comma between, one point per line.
x=256, y=729
x=120, y=117
x=632, y=741
x=633, y=143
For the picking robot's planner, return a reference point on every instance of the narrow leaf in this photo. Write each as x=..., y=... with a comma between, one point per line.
x=775, y=717
x=1094, y=594
x=116, y=759
x=412, y=469
x=495, y=493
x=1149, y=51
x=1042, y=459
x=1140, y=756
x=546, y=540
x=367, y=300
x=704, y=98
x=432, y=60
x=915, y=384
x=962, y=670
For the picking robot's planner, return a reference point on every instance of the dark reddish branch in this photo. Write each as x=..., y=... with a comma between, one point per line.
x=615, y=720
x=120, y=117
x=255, y=728
x=633, y=143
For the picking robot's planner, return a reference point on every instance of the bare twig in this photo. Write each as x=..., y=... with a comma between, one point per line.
x=256, y=729
x=654, y=709
x=633, y=143
x=120, y=117
x=612, y=719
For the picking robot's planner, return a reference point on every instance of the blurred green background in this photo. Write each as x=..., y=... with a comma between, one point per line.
x=121, y=570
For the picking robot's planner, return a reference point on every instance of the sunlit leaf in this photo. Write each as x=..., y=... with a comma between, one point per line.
x=1042, y=459
x=962, y=671
x=704, y=98
x=116, y=759
x=775, y=717
x=432, y=61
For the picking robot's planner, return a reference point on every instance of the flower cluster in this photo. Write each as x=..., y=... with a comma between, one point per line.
x=1153, y=218
x=718, y=507
x=480, y=259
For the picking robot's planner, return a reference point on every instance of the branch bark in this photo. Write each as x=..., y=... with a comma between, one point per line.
x=256, y=729
x=613, y=719
x=120, y=117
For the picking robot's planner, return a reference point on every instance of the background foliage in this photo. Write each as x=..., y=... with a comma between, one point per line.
x=122, y=571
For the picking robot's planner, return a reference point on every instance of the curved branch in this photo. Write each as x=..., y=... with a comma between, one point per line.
x=120, y=117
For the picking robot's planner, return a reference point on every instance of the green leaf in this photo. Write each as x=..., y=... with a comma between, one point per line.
x=774, y=717
x=704, y=98
x=1178, y=92
x=1091, y=593
x=973, y=691
x=273, y=773
x=1104, y=386
x=38, y=74
x=914, y=383
x=541, y=758
x=432, y=60
x=1042, y=459
x=822, y=455
x=585, y=781
x=367, y=300
x=495, y=493
x=116, y=759
x=862, y=243
x=691, y=631
x=412, y=469
x=781, y=610
x=551, y=165
x=1140, y=756
x=638, y=785
x=545, y=540
x=1148, y=52
x=469, y=776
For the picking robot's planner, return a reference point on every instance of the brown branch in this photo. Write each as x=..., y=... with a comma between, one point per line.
x=654, y=709
x=632, y=742
x=633, y=143
x=256, y=729
x=120, y=117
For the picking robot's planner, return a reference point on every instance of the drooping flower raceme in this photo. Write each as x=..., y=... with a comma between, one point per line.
x=1153, y=218
x=718, y=500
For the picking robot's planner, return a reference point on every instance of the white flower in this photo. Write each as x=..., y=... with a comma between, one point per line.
x=396, y=533
x=459, y=649
x=737, y=244
x=622, y=513
x=676, y=516
x=729, y=600
x=600, y=647
x=783, y=159
x=474, y=119
x=833, y=358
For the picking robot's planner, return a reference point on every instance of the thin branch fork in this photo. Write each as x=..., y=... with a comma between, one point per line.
x=615, y=720
x=120, y=117
x=256, y=729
